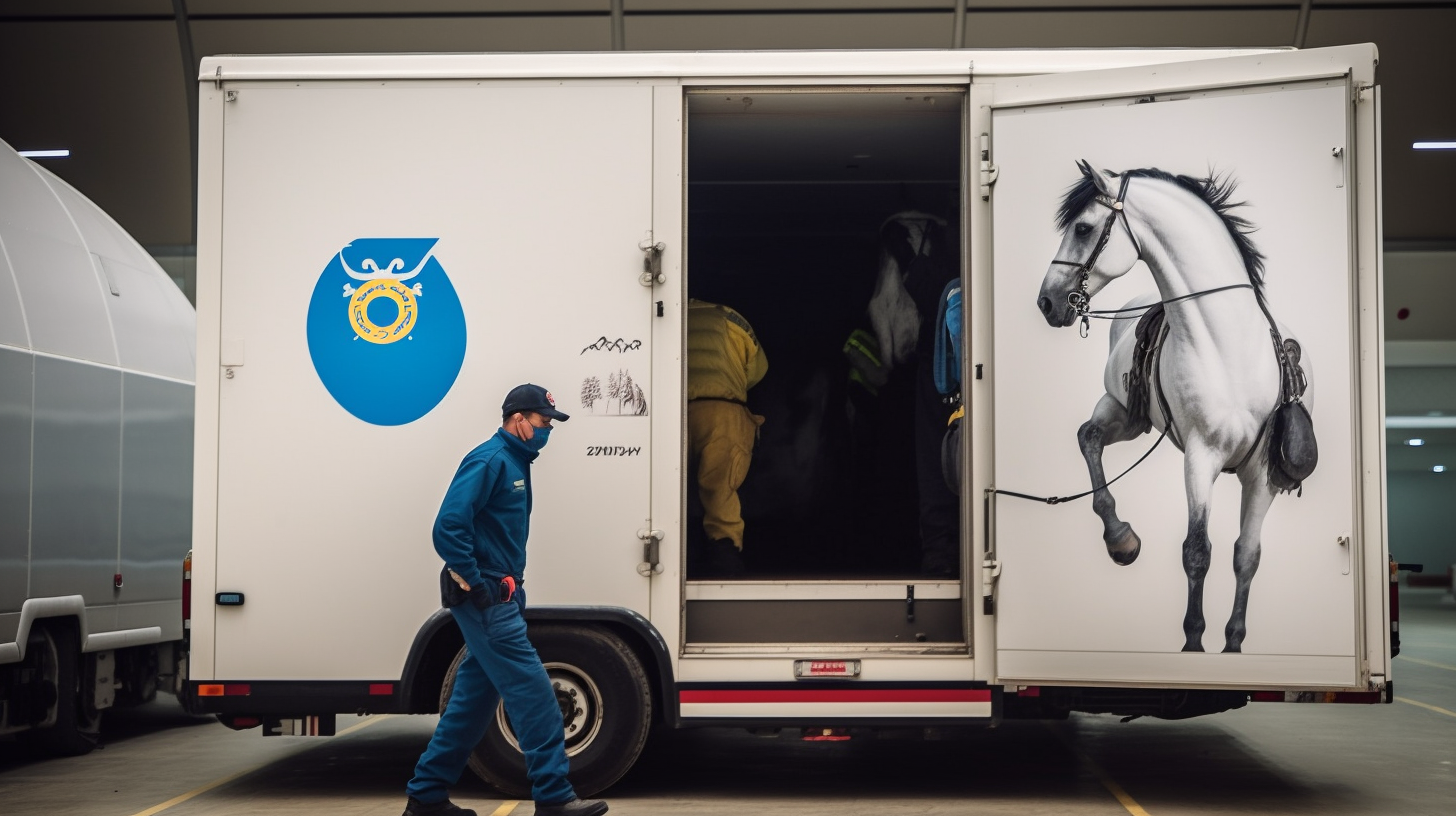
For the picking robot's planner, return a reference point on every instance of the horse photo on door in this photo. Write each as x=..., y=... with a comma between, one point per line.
x=1201, y=359
x=1169, y=326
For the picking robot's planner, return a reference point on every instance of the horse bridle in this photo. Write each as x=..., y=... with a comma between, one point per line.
x=1078, y=298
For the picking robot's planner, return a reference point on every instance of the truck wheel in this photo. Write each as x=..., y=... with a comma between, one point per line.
x=606, y=711
x=77, y=722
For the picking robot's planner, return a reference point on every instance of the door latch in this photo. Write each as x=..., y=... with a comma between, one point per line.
x=990, y=571
x=651, y=553
x=989, y=171
x=652, y=263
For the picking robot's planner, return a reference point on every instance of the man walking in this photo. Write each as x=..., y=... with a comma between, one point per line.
x=481, y=533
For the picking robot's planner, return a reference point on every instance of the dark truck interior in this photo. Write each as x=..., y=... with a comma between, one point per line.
x=789, y=193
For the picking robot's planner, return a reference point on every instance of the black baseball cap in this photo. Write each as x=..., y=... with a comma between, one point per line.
x=534, y=398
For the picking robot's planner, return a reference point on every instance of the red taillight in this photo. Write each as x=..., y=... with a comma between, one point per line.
x=187, y=591
x=381, y=689
x=825, y=735
x=224, y=690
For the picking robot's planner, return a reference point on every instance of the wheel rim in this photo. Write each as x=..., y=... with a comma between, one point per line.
x=581, y=708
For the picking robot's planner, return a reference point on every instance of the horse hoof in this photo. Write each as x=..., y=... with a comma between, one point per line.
x=1193, y=647
x=1233, y=648
x=1124, y=545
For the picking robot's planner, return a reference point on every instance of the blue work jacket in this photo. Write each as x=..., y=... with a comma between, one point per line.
x=483, y=522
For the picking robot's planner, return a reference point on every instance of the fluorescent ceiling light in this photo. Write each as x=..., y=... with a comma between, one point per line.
x=1415, y=442
x=1434, y=145
x=1420, y=422
x=1438, y=468
x=46, y=154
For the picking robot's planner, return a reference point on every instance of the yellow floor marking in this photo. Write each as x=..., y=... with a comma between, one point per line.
x=1427, y=662
x=1128, y=803
x=1437, y=709
x=372, y=720
x=1116, y=790
x=217, y=783
x=177, y=800
x=505, y=809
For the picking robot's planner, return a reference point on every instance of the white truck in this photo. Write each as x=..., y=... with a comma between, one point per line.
x=387, y=244
x=96, y=367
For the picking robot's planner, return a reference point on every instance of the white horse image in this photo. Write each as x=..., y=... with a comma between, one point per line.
x=1214, y=376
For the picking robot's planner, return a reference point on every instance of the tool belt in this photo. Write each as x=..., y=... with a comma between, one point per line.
x=451, y=595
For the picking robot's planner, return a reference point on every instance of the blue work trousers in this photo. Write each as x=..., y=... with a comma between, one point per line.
x=502, y=665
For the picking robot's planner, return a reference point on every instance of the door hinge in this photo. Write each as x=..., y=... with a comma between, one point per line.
x=652, y=263
x=1357, y=92
x=990, y=571
x=651, y=553
x=989, y=171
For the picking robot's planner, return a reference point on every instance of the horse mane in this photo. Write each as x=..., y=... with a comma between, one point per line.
x=1215, y=190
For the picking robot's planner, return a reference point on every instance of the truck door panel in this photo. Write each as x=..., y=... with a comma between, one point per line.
x=1288, y=151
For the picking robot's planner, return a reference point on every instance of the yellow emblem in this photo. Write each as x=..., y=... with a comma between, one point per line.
x=404, y=318
x=383, y=283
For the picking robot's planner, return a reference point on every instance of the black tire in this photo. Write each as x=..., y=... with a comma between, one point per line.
x=77, y=725
x=606, y=711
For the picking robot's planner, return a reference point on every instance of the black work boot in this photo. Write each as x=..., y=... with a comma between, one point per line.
x=444, y=807
x=723, y=559
x=576, y=807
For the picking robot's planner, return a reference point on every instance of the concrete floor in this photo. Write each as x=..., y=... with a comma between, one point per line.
x=1266, y=758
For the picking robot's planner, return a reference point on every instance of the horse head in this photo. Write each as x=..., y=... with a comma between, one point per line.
x=908, y=241
x=1094, y=251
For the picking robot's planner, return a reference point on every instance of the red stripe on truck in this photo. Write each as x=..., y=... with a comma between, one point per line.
x=835, y=696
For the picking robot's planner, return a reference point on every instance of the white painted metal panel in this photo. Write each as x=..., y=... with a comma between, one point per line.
x=1066, y=613
x=154, y=333
x=156, y=493
x=60, y=289
x=13, y=331
x=75, y=485
x=152, y=321
x=538, y=198
x=796, y=67
x=96, y=229
x=17, y=372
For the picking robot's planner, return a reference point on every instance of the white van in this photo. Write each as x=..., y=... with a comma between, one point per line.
x=96, y=367
x=389, y=243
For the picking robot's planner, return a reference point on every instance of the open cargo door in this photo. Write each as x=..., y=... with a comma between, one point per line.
x=1097, y=591
x=397, y=256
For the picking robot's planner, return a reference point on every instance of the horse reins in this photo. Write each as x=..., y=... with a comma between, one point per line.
x=1079, y=300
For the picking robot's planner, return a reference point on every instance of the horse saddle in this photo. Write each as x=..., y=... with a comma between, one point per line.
x=1293, y=451
x=1137, y=380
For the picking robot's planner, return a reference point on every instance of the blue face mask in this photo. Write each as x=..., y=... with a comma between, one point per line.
x=538, y=439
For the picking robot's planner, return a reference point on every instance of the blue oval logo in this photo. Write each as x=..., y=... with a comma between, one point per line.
x=386, y=330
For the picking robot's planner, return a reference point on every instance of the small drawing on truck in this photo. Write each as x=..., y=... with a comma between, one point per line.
x=620, y=396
